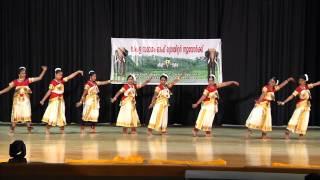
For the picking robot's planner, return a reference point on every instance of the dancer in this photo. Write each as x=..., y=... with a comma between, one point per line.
x=128, y=116
x=300, y=118
x=55, y=112
x=260, y=116
x=21, y=107
x=160, y=103
x=209, y=105
x=90, y=99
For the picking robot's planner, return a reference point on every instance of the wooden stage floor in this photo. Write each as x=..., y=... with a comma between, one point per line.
x=228, y=148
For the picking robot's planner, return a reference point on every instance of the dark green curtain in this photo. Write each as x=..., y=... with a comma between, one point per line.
x=261, y=38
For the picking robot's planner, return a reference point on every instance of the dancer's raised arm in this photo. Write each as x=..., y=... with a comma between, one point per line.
x=102, y=83
x=73, y=75
x=175, y=81
x=284, y=83
x=227, y=83
x=39, y=78
x=144, y=83
x=312, y=85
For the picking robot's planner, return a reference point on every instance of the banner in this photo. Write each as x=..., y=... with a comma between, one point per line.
x=194, y=58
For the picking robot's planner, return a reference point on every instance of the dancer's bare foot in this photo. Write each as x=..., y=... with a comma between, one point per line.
x=62, y=130
x=194, y=133
x=11, y=130
x=149, y=132
x=133, y=131
x=93, y=128
x=264, y=136
x=124, y=131
x=164, y=133
x=287, y=135
x=301, y=136
x=208, y=134
x=249, y=133
x=30, y=128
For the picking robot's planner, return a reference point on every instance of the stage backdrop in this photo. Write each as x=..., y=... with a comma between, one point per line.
x=194, y=59
x=260, y=39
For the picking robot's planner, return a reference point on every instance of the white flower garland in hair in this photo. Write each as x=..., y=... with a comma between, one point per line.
x=164, y=74
x=22, y=67
x=133, y=76
x=57, y=69
x=307, y=77
x=212, y=75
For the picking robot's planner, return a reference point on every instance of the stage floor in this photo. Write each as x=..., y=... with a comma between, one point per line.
x=227, y=148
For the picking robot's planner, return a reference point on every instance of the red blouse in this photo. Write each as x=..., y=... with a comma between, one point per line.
x=54, y=83
x=270, y=88
x=299, y=89
x=126, y=87
x=210, y=89
x=91, y=83
x=16, y=83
